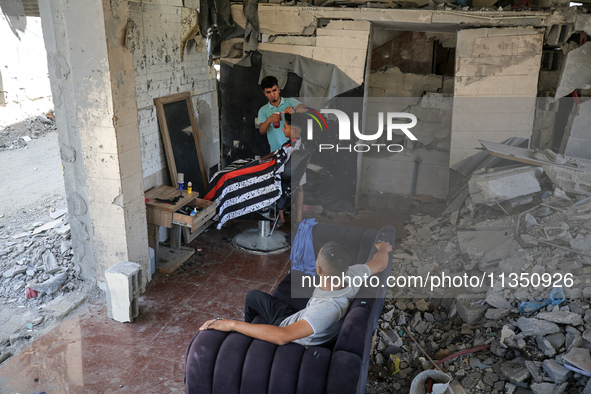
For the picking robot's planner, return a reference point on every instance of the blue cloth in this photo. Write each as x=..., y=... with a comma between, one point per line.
x=302, y=251
x=275, y=136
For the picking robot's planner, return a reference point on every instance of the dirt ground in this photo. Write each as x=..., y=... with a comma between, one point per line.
x=31, y=178
x=31, y=175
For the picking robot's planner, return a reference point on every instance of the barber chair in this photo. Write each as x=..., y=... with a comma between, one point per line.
x=266, y=239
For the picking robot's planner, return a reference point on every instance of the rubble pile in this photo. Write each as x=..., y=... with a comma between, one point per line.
x=525, y=325
x=35, y=256
x=39, y=282
x=17, y=135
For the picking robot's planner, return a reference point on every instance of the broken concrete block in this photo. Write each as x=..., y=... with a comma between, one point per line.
x=50, y=264
x=515, y=370
x=581, y=242
x=556, y=372
x=562, y=317
x=576, y=73
x=557, y=340
x=14, y=271
x=548, y=388
x=545, y=346
x=535, y=369
x=533, y=326
x=496, y=314
x=469, y=309
x=558, y=235
x=124, y=284
x=571, y=180
x=490, y=188
x=497, y=301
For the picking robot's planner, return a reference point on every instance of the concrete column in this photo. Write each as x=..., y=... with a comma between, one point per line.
x=93, y=85
x=495, y=89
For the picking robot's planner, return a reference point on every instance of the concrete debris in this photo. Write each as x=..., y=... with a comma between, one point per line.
x=58, y=213
x=533, y=327
x=47, y=226
x=535, y=369
x=17, y=136
x=494, y=187
x=571, y=180
x=546, y=350
x=515, y=371
x=576, y=73
x=556, y=372
x=51, y=285
x=38, y=260
x=548, y=388
x=469, y=310
x=562, y=317
x=579, y=360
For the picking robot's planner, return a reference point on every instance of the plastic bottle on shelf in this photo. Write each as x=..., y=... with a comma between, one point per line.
x=189, y=187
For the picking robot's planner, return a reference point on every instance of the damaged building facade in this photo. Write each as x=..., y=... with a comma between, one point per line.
x=487, y=82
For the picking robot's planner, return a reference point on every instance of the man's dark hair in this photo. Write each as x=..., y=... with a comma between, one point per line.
x=336, y=256
x=268, y=82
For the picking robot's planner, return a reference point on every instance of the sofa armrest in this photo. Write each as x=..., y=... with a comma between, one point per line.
x=220, y=362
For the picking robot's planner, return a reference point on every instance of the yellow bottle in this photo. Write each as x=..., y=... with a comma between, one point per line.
x=189, y=188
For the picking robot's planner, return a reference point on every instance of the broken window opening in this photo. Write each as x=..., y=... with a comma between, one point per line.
x=323, y=22
x=551, y=59
x=413, y=52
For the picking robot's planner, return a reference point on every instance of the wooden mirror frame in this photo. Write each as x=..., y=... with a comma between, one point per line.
x=160, y=102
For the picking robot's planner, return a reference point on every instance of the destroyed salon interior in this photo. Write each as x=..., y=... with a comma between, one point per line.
x=143, y=197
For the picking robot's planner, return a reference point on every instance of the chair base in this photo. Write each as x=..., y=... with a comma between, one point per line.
x=251, y=241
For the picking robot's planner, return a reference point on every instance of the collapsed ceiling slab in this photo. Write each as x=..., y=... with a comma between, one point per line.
x=576, y=73
x=293, y=20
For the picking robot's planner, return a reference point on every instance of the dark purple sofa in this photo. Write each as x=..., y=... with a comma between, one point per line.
x=220, y=362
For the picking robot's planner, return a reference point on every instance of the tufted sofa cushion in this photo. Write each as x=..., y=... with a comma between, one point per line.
x=220, y=362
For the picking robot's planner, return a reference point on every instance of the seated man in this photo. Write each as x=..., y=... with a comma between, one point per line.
x=322, y=318
x=293, y=131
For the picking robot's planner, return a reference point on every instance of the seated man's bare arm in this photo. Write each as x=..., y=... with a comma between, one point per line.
x=379, y=261
x=266, y=332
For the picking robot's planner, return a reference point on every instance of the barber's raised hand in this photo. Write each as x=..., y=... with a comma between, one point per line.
x=275, y=117
x=289, y=110
x=384, y=247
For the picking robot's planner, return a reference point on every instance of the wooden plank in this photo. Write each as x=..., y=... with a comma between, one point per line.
x=526, y=156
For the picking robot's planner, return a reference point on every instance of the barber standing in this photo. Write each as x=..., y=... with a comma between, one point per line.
x=271, y=117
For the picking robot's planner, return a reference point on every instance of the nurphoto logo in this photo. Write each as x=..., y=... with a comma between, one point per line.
x=393, y=121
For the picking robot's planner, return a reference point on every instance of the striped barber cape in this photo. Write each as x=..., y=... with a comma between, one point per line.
x=246, y=186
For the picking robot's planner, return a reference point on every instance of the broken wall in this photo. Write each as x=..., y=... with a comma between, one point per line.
x=342, y=43
x=495, y=87
x=394, y=172
x=579, y=142
x=23, y=63
x=159, y=71
x=297, y=31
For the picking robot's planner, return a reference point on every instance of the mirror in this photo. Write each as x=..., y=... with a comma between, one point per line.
x=181, y=143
